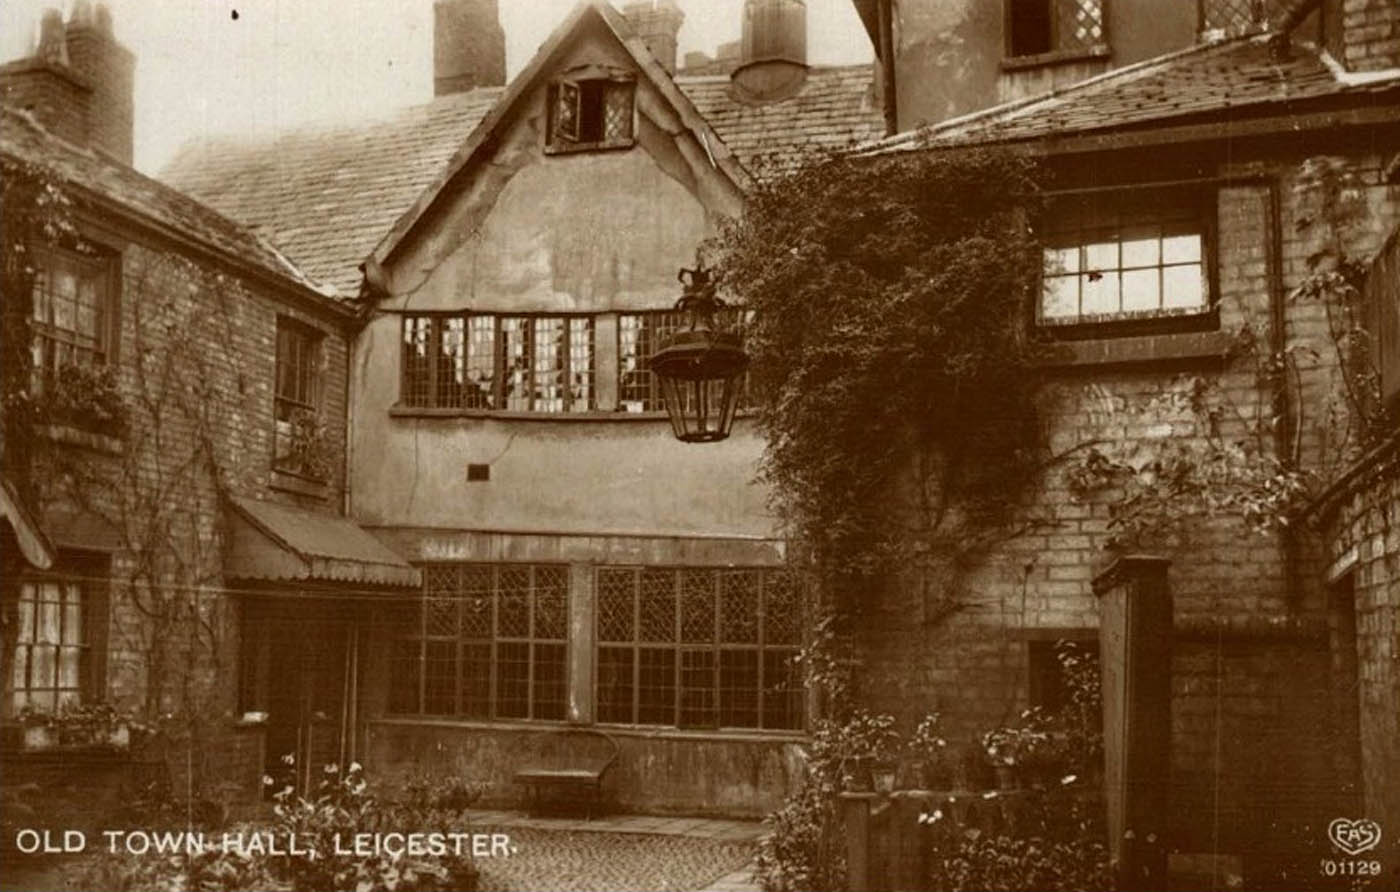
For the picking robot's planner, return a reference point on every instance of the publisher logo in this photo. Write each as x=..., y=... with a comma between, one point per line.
x=1352, y=837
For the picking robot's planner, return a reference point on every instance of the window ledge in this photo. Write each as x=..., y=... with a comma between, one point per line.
x=72, y=436
x=569, y=148
x=1145, y=350
x=515, y=415
x=290, y=481
x=1056, y=57
x=737, y=735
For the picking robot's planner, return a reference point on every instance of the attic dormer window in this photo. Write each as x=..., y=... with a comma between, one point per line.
x=591, y=109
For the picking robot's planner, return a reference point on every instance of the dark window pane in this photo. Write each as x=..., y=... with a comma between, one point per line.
x=739, y=607
x=549, y=695
x=513, y=603
x=476, y=680
x=656, y=686
x=782, y=690
x=512, y=680
x=440, y=678
x=417, y=370
x=698, y=606
x=699, y=700
x=551, y=603
x=658, y=605
x=451, y=362
x=782, y=610
x=616, y=601
x=615, y=666
x=476, y=597
x=738, y=688
x=403, y=676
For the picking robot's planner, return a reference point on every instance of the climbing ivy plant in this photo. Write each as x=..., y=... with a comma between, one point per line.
x=890, y=355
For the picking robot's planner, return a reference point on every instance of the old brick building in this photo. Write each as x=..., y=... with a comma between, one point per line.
x=513, y=249
x=1183, y=143
x=174, y=438
x=520, y=256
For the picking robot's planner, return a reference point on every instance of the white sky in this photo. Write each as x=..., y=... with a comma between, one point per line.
x=285, y=61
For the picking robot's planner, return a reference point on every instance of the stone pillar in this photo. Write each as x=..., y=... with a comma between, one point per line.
x=1135, y=642
x=855, y=814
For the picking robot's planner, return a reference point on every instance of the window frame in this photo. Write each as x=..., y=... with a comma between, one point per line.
x=461, y=644
x=313, y=340
x=1057, y=51
x=647, y=378
x=579, y=82
x=87, y=572
x=678, y=648
x=105, y=265
x=433, y=388
x=1200, y=204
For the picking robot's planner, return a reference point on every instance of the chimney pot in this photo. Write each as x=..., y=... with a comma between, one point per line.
x=773, y=56
x=53, y=44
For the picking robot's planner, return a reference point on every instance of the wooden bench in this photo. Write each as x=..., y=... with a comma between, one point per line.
x=568, y=766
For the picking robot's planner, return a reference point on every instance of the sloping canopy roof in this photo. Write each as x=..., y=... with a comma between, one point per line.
x=1238, y=78
x=273, y=542
x=33, y=544
x=93, y=175
x=327, y=195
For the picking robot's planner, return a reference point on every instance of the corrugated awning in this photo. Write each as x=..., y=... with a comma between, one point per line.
x=33, y=544
x=269, y=541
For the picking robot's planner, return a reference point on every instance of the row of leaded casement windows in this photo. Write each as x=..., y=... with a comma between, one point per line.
x=688, y=648
x=1034, y=27
x=545, y=364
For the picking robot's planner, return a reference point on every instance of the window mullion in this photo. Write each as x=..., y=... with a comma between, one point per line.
x=636, y=646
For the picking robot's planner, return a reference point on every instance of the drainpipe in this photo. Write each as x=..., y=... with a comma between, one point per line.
x=885, y=52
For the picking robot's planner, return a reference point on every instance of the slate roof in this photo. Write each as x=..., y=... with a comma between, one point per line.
x=834, y=110
x=1236, y=77
x=327, y=195
x=97, y=176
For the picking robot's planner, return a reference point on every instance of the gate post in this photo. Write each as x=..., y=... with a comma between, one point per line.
x=1135, y=642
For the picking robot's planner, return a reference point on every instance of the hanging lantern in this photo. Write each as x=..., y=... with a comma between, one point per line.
x=700, y=369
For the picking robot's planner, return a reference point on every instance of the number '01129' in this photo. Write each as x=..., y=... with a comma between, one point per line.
x=1350, y=868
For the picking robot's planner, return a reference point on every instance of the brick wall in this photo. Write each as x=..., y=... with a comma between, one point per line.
x=1369, y=38
x=53, y=94
x=1252, y=690
x=218, y=389
x=1365, y=543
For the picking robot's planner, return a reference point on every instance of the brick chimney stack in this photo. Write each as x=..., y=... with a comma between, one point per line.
x=110, y=69
x=658, y=22
x=1363, y=35
x=78, y=82
x=469, y=47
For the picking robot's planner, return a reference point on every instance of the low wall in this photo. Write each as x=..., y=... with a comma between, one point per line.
x=657, y=772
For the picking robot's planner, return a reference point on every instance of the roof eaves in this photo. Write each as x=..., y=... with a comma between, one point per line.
x=913, y=139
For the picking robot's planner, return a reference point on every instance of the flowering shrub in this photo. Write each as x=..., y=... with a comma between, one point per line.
x=311, y=852
x=1054, y=841
x=805, y=850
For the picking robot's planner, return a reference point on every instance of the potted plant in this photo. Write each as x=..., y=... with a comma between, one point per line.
x=1008, y=749
x=931, y=762
x=872, y=745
